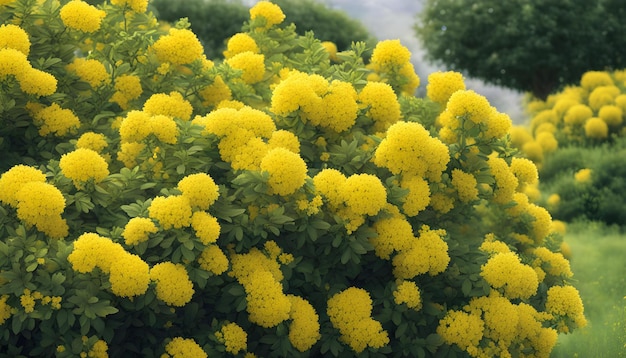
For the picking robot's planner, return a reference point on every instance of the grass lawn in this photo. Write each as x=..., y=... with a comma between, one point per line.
x=599, y=265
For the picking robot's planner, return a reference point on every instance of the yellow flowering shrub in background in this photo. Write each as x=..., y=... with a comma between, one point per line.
x=285, y=201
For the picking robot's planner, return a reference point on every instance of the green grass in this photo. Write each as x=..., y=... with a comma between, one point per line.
x=599, y=265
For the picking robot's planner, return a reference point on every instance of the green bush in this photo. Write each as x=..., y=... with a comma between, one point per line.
x=273, y=204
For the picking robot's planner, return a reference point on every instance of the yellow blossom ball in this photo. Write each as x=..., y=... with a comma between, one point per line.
x=233, y=337
x=364, y=194
x=129, y=152
x=603, y=95
x=565, y=301
x=304, y=330
x=252, y=65
x=505, y=272
x=91, y=71
x=505, y=180
x=239, y=43
x=271, y=13
x=612, y=115
x=200, y=189
x=179, y=47
x=171, y=212
x=545, y=116
x=411, y=79
x=164, y=128
x=137, y=230
x=83, y=165
x=5, y=309
x=216, y=92
x=577, y=115
x=172, y=283
x=56, y=120
x=441, y=85
x=596, y=128
x=393, y=234
x=381, y=103
x=583, y=175
x=328, y=182
x=37, y=200
x=99, y=350
x=390, y=53
x=465, y=185
x=408, y=293
x=14, y=179
x=520, y=135
x=555, y=262
x=547, y=141
x=533, y=151
x=205, y=226
x=593, y=79
x=542, y=222
x=91, y=140
x=172, y=105
x=525, y=171
x=498, y=125
x=92, y=250
x=13, y=62
x=127, y=88
x=470, y=105
x=554, y=200
x=331, y=48
x=213, y=259
x=12, y=36
x=285, y=139
x=427, y=253
x=129, y=276
x=81, y=16
x=461, y=328
x=418, y=197
x=339, y=107
x=184, y=348
x=287, y=171
x=36, y=82
x=267, y=305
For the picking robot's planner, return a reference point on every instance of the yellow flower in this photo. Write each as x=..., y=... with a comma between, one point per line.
x=304, y=330
x=36, y=82
x=13, y=62
x=381, y=103
x=577, y=115
x=285, y=139
x=14, y=179
x=127, y=88
x=465, y=184
x=350, y=312
x=135, y=127
x=418, y=197
x=498, y=125
x=611, y=115
x=171, y=212
x=38, y=200
x=5, y=309
x=364, y=194
x=216, y=92
x=172, y=283
x=179, y=47
x=583, y=175
x=603, y=95
x=427, y=253
x=505, y=272
x=199, y=189
x=596, y=128
x=390, y=53
x=56, y=120
x=407, y=292
x=83, y=165
x=137, y=230
x=172, y=105
x=213, y=259
x=99, y=350
x=272, y=13
x=243, y=265
x=129, y=152
x=441, y=85
x=328, y=182
x=555, y=263
x=91, y=71
x=234, y=338
x=525, y=171
x=81, y=16
x=239, y=43
x=565, y=301
x=331, y=48
x=27, y=301
x=94, y=141
x=164, y=128
x=393, y=234
x=593, y=79
x=92, y=250
x=12, y=36
x=462, y=328
x=505, y=180
x=206, y=227
x=267, y=304
x=542, y=222
x=129, y=276
x=252, y=65
x=469, y=104
x=287, y=171
x=184, y=348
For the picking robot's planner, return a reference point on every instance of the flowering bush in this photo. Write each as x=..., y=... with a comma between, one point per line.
x=280, y=204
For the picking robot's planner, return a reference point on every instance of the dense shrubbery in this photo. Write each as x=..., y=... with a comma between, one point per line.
x=277, y=203
x=576, y=137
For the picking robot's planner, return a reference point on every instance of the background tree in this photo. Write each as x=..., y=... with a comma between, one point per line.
x=528, y=45
x=214, y=21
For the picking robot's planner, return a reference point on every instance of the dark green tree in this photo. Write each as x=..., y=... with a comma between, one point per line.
x=536, y=46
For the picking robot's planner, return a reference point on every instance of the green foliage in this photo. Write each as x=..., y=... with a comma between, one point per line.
x=535, y=46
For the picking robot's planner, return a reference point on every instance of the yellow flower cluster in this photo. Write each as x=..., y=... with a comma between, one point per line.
x=271, y=13
x=171, y=105
x=5, y=309
x=418, y=197
x=179, y=47
x=583, y=175
x=137, y=230
x=183, y=348
x=251, y=64
x=441, y=85
x=596, y=128
x=234, y=338
x=213, y=259
x=592, y=79
x=391, y=63
x=304, y=330
x=470, y=105
x=14, y=63
x=41, y=204
x=172, y=283
x=94, y=141
x=205, y=226
x=138, y=125
x=267, y=304
x=505, y=180
x=81, y=16
x=394, y=234
x=507, y=274
x=127, y=88
x=200, y=189
x=554, y=263
x=408, y=293
x=465, y=185
x=56, y=120
x=426, y=253
x=331, y=105
x=285, y=139
x=14, y=37
x=84, y=165
x=12, y=181
x=287, y=171
x=364, y=194
x=99, y=350
x=463, y=329
x=91, y=71
x=565, y=303
x=128, y=273
x=171, y=212
x=239, y=43
x=381, y=103
x=216, y=92
x=409, y=149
